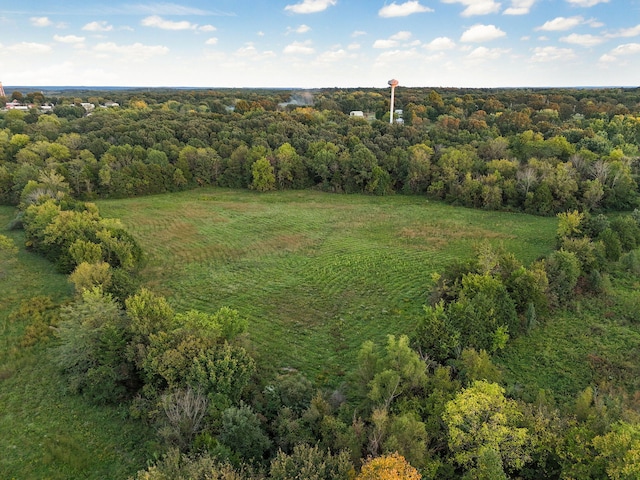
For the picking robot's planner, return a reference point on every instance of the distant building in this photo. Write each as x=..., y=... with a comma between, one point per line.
x=356, y=113
x=88, y=106
x=2, y=94
x=16, y=105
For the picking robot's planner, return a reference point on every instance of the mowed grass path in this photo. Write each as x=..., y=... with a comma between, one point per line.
x=316, y=274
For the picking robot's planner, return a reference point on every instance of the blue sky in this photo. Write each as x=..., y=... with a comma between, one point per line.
x=321, y=43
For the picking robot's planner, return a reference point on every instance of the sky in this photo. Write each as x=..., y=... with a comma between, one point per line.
x=320, y=43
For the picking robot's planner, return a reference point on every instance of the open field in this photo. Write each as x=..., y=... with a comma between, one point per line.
x=45, y=433
x=316, y=274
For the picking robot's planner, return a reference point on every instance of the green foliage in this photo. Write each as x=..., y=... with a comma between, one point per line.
x=481, y=418
x=435, y=337
x=38, y=314
x=612, y=244
x=386, y=375
x=89, y=275
x=482, y=308
x=628, y=232
x=619, y=451
x=407, y=435
x=176, y=466
x=7, y=245
x=475, y=365
x=241, y=431
x=91, y=351
x=569, y=224
x=563, y=271
x=311, y=463
x=264, y=178
x=85, y=251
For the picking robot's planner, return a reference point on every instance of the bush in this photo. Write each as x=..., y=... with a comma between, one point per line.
x=612, y=244
x=628, y=231
x=311, y=463
x=241, y=431
x=630, y=262
x=563, y=271
x=92, y=348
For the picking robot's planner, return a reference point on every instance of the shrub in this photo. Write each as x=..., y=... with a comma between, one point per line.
x=563, y=271
x=311, y=463
x=241, y=431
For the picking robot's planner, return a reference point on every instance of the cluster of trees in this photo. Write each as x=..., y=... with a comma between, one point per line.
x=542, y=152
x=426, y=406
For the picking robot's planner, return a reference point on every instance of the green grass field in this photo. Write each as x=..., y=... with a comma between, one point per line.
x=316, y=274
x=45, y=433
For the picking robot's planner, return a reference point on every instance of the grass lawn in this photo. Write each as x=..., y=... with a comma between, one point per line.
x=316, y=274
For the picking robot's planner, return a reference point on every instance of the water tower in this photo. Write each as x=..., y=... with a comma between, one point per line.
x=393, y=83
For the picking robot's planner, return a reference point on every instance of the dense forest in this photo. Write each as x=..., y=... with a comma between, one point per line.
x=429, y=403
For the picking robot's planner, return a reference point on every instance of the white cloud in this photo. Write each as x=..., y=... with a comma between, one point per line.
x=402, y=35
x=606, y=58
x=582, y=40
x=440, y=43
x=29, y=48
x=252, y=54
x=164, y=8
x=73, y=39
x=561, y=23
x=353, y=46
x=551, y=54
x=403, y=10
x=586, y=3
x=331, y=56
x=519, y=7
x=40, y=21
x=393, y=41
x=207, y=28
x=136, y=50
x=358, y=33
x=477, y=7
x=482, y=33
x=159, y=22
x=299, y=29
x=626, y=49
x=484, y=53
x=98, y=27
x=211, y=41
x=299, y=48
x=310, y=6
x=625, y=32
x=397, y=57
x=386, y=43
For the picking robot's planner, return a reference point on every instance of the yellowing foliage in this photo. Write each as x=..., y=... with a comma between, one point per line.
x=388, y=467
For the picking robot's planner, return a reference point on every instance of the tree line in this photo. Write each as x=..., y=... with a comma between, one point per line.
x=538, y=151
